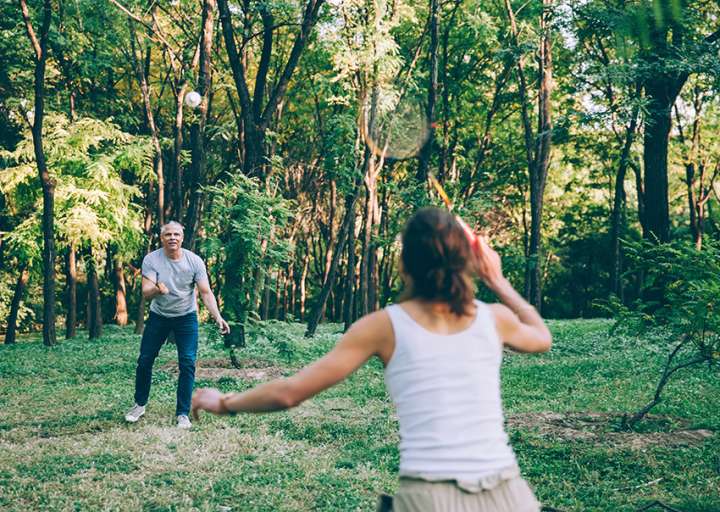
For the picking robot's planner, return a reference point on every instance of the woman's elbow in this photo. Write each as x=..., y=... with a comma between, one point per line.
x=288, y=396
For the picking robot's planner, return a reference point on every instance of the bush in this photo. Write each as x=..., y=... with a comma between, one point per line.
x=682, y=290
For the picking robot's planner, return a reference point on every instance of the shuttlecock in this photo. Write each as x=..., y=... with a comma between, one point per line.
x=193, y=99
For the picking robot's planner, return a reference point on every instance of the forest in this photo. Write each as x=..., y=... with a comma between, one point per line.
x=293, y=139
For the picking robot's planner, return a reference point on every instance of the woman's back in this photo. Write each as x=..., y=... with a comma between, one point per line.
x=446, y=388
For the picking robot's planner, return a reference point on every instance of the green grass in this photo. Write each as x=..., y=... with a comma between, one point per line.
x=65, y=445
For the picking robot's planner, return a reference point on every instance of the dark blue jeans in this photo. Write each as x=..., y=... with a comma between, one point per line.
x=157, y=329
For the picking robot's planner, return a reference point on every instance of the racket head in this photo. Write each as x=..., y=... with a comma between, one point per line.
x=394, y=123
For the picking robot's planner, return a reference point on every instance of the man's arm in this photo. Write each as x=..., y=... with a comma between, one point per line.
x=208, y=298
x=151, y=289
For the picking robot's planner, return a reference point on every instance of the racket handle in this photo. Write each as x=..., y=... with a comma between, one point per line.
x=469, y=233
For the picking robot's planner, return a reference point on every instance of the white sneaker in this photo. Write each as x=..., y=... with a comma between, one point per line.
x=135, y=413
x=183, y=422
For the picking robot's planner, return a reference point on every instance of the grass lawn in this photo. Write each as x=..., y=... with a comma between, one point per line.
x=65, y=445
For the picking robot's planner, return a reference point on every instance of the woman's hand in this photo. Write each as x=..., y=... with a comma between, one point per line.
x=207, y=399
x=489, y=265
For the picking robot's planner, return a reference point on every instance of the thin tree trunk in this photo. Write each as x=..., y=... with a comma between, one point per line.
x=331, y=228
x=365, y=257
x=293, y=290
x=538, y=152
x=198, y=164
x=427, y=149
x=71, y=286
x=349, y=302
x=303, y=280
x=15, y=305
x=542, y=155
x=616, y=269
x=142, y=78
x=94, y=300
x=319, y=308
x=177, y=197
x=121, y=312
x=47, y=183
x=140, y=312
x=668, y=372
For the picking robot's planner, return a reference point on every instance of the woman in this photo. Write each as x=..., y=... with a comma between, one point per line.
x=442, y=352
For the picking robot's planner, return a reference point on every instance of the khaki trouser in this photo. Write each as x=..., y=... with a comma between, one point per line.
x=506, y=495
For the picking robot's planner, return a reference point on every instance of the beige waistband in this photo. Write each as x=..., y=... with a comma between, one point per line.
x=472, y=485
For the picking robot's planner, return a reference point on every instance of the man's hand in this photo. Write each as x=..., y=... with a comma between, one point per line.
x=162, y=288
x=222, y=325
x=207, y=399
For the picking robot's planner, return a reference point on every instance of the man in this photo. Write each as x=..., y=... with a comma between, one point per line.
x=169, y=277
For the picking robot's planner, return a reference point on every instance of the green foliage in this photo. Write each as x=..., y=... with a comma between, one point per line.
x=90, y=161
x=690, y=303
x=245, y=234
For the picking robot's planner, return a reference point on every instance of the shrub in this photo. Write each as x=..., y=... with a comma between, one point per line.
x=686, y=312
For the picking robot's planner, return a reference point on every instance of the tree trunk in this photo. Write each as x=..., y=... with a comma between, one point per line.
x=655, y=154
x=141, y=74
x=537, y=153
x=121, y=313
x=426, y=151
x=331, y=228
x=349, y=291
x=539, y=171
x=15, y=305
x=47, y=183
x=177, y=185
x=373, y=257
x=256, y=118
x=71, y=286
x=303, y=281
x=94, y=300
x=293, y=291
x=319, y=308
x=616, y=221
x=365, y=257
x=198, y=163
x=385, y=264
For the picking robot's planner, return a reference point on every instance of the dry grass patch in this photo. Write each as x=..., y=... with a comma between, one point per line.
x=598, y=427
x=216, y=369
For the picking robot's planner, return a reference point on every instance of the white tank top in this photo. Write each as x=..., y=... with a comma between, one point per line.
x=446, y=390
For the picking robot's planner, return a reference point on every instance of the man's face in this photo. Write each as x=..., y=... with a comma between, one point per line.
x=172, y=238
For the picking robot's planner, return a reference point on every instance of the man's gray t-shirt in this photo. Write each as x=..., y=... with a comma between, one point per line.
x=179, y=276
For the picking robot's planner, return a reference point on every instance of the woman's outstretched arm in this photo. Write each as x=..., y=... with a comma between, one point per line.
x=367, y=337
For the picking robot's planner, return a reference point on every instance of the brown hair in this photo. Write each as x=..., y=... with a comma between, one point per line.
x=436, y=255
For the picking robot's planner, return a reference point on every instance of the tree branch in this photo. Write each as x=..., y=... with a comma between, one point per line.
x=309, y=18
x=713, y=37
x=30, y=31
x=142, y=22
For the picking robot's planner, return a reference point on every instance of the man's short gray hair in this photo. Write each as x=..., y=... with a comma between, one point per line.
x=171, y=224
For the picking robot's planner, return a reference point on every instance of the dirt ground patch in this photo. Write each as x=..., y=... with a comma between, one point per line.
x=214, y=369
x=600, y=427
